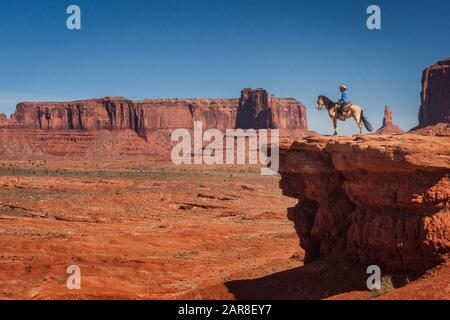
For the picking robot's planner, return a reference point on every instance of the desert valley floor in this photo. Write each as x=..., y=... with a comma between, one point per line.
x=137, y=230
x=143, y=230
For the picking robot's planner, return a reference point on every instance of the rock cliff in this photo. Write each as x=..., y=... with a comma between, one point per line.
x=435, y=96
x=253, y=110
x=256, y=110
x=3, y=120
x=371, y=200
x=75, y=128
x=117, y=113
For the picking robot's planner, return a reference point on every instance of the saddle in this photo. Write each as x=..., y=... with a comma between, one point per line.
x=348, y=105
x=346, y=109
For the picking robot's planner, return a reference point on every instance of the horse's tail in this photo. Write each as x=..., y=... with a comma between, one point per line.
x=366, y=122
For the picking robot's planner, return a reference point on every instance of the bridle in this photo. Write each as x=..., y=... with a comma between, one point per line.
x=320, y=107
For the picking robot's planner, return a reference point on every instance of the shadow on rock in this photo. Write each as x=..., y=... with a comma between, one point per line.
x=317, y=280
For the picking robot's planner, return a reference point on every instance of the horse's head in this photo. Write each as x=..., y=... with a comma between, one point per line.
x=321, y=103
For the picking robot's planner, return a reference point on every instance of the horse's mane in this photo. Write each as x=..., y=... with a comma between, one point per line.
x=327, y=100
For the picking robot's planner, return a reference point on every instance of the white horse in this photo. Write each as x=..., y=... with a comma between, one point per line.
x=350, y=110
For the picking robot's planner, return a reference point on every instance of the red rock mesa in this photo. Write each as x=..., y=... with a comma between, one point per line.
x=109, y=125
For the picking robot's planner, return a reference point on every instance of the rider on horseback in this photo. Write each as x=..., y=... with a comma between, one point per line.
x=343, y=101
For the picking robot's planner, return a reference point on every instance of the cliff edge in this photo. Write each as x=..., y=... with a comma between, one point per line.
x=380, y=200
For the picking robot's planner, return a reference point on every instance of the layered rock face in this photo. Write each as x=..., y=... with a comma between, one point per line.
x=370, y=199
x=435, y=96
x=3, y=120
x=257, y=111
x=117, y=113
x=388, y=126
x=253, y=111
x=62, y=128
x=78, y=145
x=111, y=127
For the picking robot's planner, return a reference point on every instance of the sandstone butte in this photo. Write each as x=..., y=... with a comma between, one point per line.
x=435, y=95
x=117, y=127
x=388, y=126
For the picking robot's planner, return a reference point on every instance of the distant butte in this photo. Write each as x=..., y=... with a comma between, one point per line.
x=388, y=125
x=435, y=95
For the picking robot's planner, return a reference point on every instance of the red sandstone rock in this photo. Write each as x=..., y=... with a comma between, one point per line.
x=143, y=117
x=253, y=111
x=137, y=230
x=72, y=128
x=257, y=111
x=388, y=125
x=441, y=129
x=435, y=96
x=120, y=114
x=79, y=144
x=3, y=120
x=371, y=199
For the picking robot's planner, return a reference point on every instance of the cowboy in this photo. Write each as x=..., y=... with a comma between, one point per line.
x=343, y=101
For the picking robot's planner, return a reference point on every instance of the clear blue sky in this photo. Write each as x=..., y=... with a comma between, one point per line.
x=214, y=48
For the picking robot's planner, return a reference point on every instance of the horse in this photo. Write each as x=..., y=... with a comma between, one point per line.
x=354, y=111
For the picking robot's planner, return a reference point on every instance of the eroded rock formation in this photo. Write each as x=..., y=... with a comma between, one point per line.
x=370, y=199
x=253, y=110
x=117, y=113
x=257, y=111
x=388, y=126
x=78, y=144
x=435, y=96
x=75, y=128
x=3, y=120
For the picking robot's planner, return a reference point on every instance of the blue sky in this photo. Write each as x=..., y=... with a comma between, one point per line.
x=214, y=48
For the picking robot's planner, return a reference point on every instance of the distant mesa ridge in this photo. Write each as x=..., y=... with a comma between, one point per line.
x=253, y=110
x=116, y=127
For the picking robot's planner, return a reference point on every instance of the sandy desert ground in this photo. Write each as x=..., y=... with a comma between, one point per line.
x=138, y=230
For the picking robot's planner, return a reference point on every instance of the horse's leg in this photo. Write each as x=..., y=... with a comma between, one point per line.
x=335, y=125
x=357, y=116
x=358, y=123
